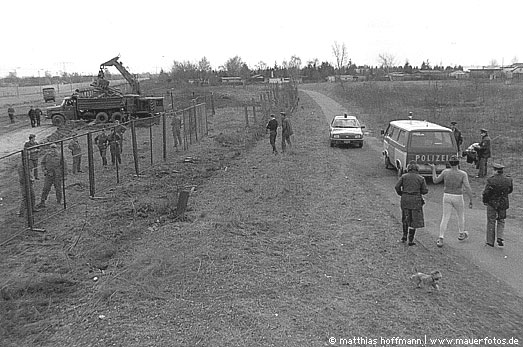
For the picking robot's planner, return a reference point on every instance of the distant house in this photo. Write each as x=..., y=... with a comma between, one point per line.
x=344, y=78
x=458, y=74
x=279, y=80
x=514, y=71
x=232, y=80
x=490, y=72
x=257, y=79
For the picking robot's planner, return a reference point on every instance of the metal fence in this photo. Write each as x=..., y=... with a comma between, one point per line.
x=144, y=143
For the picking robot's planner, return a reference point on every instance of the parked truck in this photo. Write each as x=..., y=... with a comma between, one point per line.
x=49, y=94
x=106, y=109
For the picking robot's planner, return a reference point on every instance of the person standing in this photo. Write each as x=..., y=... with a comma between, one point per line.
x=23, y=192
x=114, y=147
x=286, y=132
x=11, y=113
x=483, y=151
x=32, y=116
x=76, y=152
x=33, y=155
x=53, y=171
x=457, y=135
x=176, y=125
x=120, y=129
x=38, y=116
x=411, y=186
x=272, y=127
x=495, y=197
x=454, y=181
x=102, y=141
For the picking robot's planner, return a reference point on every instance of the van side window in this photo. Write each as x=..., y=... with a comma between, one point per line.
x=402, y=138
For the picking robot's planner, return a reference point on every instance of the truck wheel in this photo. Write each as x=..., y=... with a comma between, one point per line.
x=88, y=116
x=117, y=116
x=102, y=117
x=58, y=120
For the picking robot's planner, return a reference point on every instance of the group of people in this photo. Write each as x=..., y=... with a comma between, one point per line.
x=481, y=149
x=286, y=132
x=411, y=186
x=113, y=141
x=35, y=116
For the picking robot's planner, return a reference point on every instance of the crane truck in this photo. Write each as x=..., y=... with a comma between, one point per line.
x=103, y=103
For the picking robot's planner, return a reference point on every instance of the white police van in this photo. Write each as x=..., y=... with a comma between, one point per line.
x=421, y=141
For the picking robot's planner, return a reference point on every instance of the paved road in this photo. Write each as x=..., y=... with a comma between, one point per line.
x=504, y=263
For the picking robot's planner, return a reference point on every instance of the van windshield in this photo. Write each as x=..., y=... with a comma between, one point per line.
x=431, y=139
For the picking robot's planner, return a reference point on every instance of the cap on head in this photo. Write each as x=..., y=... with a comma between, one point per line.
x=412, y=166
x=453, y=123
x=272, y=115
x=53, y=145
x=498, y=167
x=483, y=130
x=32, y=136
x=283, y=113
x=453, y=160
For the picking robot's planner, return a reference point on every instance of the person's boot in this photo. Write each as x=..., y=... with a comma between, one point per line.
x=412, y=232
x=405, y=233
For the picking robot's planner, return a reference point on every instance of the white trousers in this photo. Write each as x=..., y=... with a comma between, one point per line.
x=450, y=202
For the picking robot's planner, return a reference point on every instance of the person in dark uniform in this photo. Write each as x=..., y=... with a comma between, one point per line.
x=272, y=127
x=53, y=171
x=11, y=113
x=483, y=150
x=32, y=116
x=495, y=197
x=76, y=152
x=114, y=147
x=457, y=135
x=33, y=154
x=38, y=116
x=411, y=186
x=102, y=141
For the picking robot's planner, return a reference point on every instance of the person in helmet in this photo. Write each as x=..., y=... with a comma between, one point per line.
x=411, y=186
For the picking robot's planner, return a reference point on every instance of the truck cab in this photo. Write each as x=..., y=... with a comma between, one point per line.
x=67, y=110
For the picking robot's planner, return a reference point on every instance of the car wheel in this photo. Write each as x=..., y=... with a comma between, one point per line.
x=400, y=171
x=388, y=165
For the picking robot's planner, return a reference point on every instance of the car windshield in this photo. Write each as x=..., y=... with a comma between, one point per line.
x=345, y=123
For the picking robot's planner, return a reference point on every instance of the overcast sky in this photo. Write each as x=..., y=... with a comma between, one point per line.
x=77, y=36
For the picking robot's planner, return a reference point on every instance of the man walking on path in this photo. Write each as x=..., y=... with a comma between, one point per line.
x=76, y=152
x=272, y=127
x=454, y=180
x=32, y=116
x=483, y=151
x=33, y=154
x=495, y=197
x=53, y=171
x=11, y=113
x=411, y=186
x=286, y=132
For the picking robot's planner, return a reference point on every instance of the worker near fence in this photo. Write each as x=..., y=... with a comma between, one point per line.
x=53, y=172
x=76, y=152
x=11, y=113
x=272, y=127
x=176, y=125
x=114, y=147
x=33, y=155
x=286, y=132
x=32, y=116
x=23, y=192
x=102, y=141
x=120, y=129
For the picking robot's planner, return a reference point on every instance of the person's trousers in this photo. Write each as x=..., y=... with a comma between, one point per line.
x=482, y=166
x=177, y=138
x=495, y=224
x=272, y=140
x=452, y=202
x=33, y=166
x=77, y=163
x=284, y=140
x=103, y=155
x=49, y=182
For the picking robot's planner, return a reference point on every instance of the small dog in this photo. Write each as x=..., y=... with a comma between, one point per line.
x=423, y=279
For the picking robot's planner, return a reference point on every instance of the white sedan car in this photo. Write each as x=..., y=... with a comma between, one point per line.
x=346, y=130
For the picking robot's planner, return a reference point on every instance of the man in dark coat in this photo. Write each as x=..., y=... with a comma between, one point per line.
x=272, y=127
x=286, y=132
x=33, y=154
x=457, y=136
x=32, y=116
x=53, y=171
x=495, y=197
x=38, y=116
x=483, y=150
x=114, y=147
x=411, y=186
x=76, y=152
x=102, y=141
x=11, y=113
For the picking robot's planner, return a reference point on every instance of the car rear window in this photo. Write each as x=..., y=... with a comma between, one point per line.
x=345, y=123
x=431, y=139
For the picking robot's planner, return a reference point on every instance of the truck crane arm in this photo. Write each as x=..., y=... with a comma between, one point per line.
x=126, y=74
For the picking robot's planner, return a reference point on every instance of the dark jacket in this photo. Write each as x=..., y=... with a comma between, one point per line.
x=52, y=164
x=496, y=191
x=484, y=147
x=410, y=187
x=286, y=127
x=272, y=125
x=102, y=141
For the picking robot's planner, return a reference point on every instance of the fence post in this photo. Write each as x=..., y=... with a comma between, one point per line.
x=164, y=134
x=28, y=188
x=212, y=103
x=64, y=170
x=135, y=147
x=254, y=110
x=151, y=138
x=90, y=160
x=195, y=120
x=246, y=115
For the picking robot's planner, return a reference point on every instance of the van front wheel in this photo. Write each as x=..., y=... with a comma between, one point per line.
x=388, y=165
x=400, y=171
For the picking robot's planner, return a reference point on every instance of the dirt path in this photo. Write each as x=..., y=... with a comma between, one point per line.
x=496, y=260
x=14, y=140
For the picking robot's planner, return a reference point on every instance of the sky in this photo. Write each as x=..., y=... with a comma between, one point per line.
x=77, y=36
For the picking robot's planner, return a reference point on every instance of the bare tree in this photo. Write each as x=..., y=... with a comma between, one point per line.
x=341, y=55
x=386, y=61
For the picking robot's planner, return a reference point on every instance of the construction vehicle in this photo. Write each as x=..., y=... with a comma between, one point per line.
x=49, y=94
x=103, y=103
